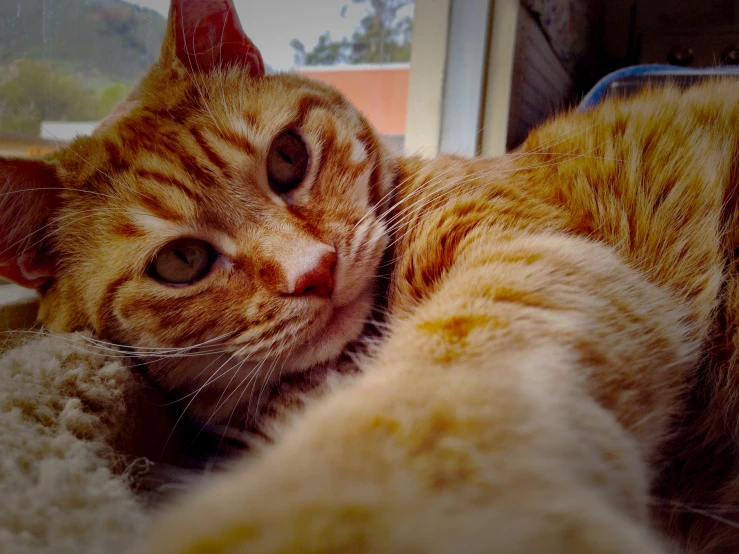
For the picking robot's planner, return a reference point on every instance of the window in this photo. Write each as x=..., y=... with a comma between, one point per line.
x=65, y=63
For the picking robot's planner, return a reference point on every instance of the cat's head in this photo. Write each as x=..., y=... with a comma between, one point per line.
x=222, y=207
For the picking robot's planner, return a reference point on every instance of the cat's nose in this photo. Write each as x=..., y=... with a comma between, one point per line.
x=317, y=278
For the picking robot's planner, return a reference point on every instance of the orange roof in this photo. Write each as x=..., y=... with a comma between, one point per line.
x=379, y=91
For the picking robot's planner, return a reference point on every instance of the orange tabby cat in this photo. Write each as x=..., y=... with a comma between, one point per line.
x=556, y=371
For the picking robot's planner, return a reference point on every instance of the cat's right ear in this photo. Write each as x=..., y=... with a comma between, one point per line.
x=29, y=193
x=204, y=35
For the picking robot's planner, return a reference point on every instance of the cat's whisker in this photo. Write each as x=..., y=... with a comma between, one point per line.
x=389, y=194
x=216, y=375
x=441, y=193
x=90, y=349
x=66, y=189
x=400, y=215
x=421, y=203
x=169, y=349
x=253, y=373
x=233, y=410
x=708, y=512
x=220, y=58
x=153, y=358
x=720, y=508
x=393, y=190
x=422, y=188
x=265, y=381
x=110, y=350
x=176, y=355
x=269, y=373
x=218, y=403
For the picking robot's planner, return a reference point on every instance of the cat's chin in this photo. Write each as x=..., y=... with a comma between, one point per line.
x=343, y=326
x=228, y=388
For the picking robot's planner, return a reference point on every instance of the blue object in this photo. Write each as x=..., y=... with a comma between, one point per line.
x=636, y=76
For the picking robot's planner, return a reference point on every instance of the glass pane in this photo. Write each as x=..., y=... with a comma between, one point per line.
x=65, y=63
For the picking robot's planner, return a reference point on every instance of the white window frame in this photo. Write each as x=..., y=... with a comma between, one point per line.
x=460, y=78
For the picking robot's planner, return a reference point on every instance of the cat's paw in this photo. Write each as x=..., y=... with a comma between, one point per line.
x=259, y=512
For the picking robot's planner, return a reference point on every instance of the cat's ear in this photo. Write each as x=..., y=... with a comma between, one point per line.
x=29, y=192
x=204, y=35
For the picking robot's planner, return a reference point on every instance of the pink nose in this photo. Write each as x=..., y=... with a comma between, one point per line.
x=318, y=280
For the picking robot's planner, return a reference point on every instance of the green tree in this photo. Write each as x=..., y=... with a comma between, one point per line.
x=71, y=59
x=382, y=37
x=33, y=91
x=109, y=97
x=326, y=52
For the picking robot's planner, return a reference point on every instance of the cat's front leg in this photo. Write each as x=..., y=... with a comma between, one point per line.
x=366, y=474
x=517, y=410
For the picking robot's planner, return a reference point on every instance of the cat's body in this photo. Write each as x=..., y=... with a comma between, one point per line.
x=555, y=370
x=652, y=180
x=590, y=273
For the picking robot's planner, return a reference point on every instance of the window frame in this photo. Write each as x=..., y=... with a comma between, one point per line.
x=461, y=76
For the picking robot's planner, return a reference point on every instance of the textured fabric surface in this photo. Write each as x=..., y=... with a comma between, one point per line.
x=87, y=444
x=64, y=486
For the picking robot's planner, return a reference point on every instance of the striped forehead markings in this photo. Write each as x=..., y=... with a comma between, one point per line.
x=167, y=181
x=213, y=156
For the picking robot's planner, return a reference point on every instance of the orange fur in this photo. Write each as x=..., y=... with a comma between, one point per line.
x=551, y=318
x=191, y=163
x=560, y=324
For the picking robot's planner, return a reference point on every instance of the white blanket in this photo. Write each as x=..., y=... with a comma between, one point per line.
x=65, y=426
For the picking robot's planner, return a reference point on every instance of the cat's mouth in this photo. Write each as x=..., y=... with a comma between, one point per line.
x=343, y=324
x=340, y=318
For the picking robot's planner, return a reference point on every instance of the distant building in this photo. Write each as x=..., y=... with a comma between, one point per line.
x=380, y=91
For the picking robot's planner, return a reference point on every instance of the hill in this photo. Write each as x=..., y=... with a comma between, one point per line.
x=93, y=37
x=67, y=60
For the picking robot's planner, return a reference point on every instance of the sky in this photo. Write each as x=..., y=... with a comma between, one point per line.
x=272, y=24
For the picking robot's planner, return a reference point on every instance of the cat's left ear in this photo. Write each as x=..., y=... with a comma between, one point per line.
x=29, y=192
x=204, y=35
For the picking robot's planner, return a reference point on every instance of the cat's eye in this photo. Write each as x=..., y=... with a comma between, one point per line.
x=287, y=162
x=182, y=262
